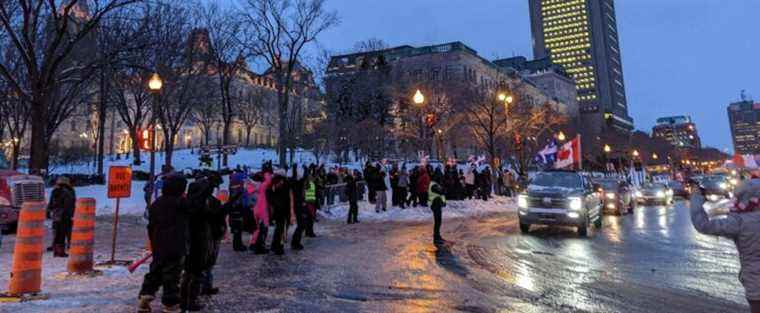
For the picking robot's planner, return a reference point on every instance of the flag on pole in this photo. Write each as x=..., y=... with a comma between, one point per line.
x=548, y=155
x=569, y=155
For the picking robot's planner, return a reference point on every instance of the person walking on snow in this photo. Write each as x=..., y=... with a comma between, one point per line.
x=437, y=202
x=261, y=215
x=167, y=231
x=381, y=189
x=423, y=185
x=742, y=225
x=403, y=187
x=352, y=195
x=61, y=211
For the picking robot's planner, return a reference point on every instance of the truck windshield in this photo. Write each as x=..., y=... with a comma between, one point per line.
x=557, y=179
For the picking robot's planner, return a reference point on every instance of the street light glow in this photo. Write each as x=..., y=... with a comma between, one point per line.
x=607, y=149
x=636, y=153
x=155, y=82
x=419, y=98
x=655, y=156
x=561, y=136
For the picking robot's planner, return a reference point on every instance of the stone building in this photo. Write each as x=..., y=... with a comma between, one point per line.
x=440, y=72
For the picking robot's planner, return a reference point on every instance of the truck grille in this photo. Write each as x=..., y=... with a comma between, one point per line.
x=536, y=202
x=27, y=192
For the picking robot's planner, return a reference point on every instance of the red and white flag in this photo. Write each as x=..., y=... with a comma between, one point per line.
x=569, y=155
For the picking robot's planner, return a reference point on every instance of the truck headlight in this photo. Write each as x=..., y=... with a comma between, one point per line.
x=669, y=192
x=4, y=202
x=639, y=194
x=576, y=204
x=660, y=194
x=734, y=181
x=723, y=186
x=522, y=201
x=610, y=196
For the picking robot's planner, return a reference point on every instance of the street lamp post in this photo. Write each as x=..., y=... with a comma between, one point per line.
x=154, y=85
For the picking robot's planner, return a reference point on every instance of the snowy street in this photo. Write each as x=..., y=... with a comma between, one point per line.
x=652, y=261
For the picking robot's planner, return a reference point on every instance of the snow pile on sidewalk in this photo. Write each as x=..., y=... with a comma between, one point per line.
x=453, y=209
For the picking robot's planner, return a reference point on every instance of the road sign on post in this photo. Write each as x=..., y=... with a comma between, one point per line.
x=119, y=186
x=119, y=182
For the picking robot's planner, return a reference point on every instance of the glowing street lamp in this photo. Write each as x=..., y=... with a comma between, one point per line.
x=561, y=136
x=419, y=98
x=607, y=149
x=155, y=83
x=655, y=156
x=636, y=153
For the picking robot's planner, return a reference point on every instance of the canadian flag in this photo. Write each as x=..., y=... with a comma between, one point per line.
x=569, y=155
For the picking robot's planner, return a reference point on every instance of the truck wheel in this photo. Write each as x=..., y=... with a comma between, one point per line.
x=583, y=230
x=524, y=228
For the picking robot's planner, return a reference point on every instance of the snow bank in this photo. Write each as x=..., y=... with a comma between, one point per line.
x=453, y=209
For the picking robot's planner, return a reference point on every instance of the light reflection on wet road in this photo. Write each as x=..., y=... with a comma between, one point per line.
x=651, y=261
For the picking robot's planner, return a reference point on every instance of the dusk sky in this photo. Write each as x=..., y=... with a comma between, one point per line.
x=679, y=56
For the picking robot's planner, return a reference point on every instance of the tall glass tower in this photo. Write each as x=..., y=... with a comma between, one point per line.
x=582, y=36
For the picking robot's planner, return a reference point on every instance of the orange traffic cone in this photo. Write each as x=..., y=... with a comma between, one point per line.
x=26, y=271
x=82, y=238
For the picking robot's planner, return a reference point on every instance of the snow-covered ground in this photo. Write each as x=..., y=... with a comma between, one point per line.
x=453, y=209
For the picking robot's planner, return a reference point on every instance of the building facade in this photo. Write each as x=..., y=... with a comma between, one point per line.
x=679, y=131
x=582, y=37
x=441, y=72
x=744, y=117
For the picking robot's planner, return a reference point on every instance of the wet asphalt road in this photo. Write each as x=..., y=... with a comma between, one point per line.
x=651, y=261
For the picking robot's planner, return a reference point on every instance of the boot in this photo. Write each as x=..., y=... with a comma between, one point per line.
x=278, y=250
x=171, y=308
x=260, y=250
x=193, y=306
x=59, y=251
x=144, y=304
x=296, y=246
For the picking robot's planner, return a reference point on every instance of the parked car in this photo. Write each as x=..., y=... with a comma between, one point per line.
x=680, y=190
x=657, y=193
x=617, y=196
x=15, y=189
x=717, y=187
x=561, y=198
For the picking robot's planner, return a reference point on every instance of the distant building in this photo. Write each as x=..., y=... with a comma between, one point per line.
x=439, y=70
x=551, y=78
x=679, y=131
x=582, y=37
x=744, y=117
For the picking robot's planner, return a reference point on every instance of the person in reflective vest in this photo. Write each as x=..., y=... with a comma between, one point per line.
x=310, y=197
x=437, y=202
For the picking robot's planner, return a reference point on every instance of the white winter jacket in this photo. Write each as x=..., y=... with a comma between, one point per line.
x=744, y=230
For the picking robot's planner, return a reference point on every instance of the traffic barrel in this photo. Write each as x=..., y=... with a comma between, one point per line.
x=223, y=195
x=82, y=237
x=26, y=271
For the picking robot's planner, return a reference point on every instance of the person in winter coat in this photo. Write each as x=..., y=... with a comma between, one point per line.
x=381, y=189
x=282, y=202
x=310, y=199
x=239, y=208
x=403, y=187
x=414, y=176
x=743, y=227
x=352, y=195
x=61, y=211
x=394, y=185
x=423, y=185
x=167, y=231
x=437, y=202
x=469, y=181
x=370, y=176
x=300, y=207
x=261, y=215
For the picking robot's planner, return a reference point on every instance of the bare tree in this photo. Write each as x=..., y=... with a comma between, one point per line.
x=251, y=106
x=46, y=35
x=206, y=117
x=15, y=114
x=280, y=31
x=224, y=31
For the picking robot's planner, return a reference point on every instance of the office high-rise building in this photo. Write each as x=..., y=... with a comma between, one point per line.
x=744, y=117
x=581, y=35
x=680, y=131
